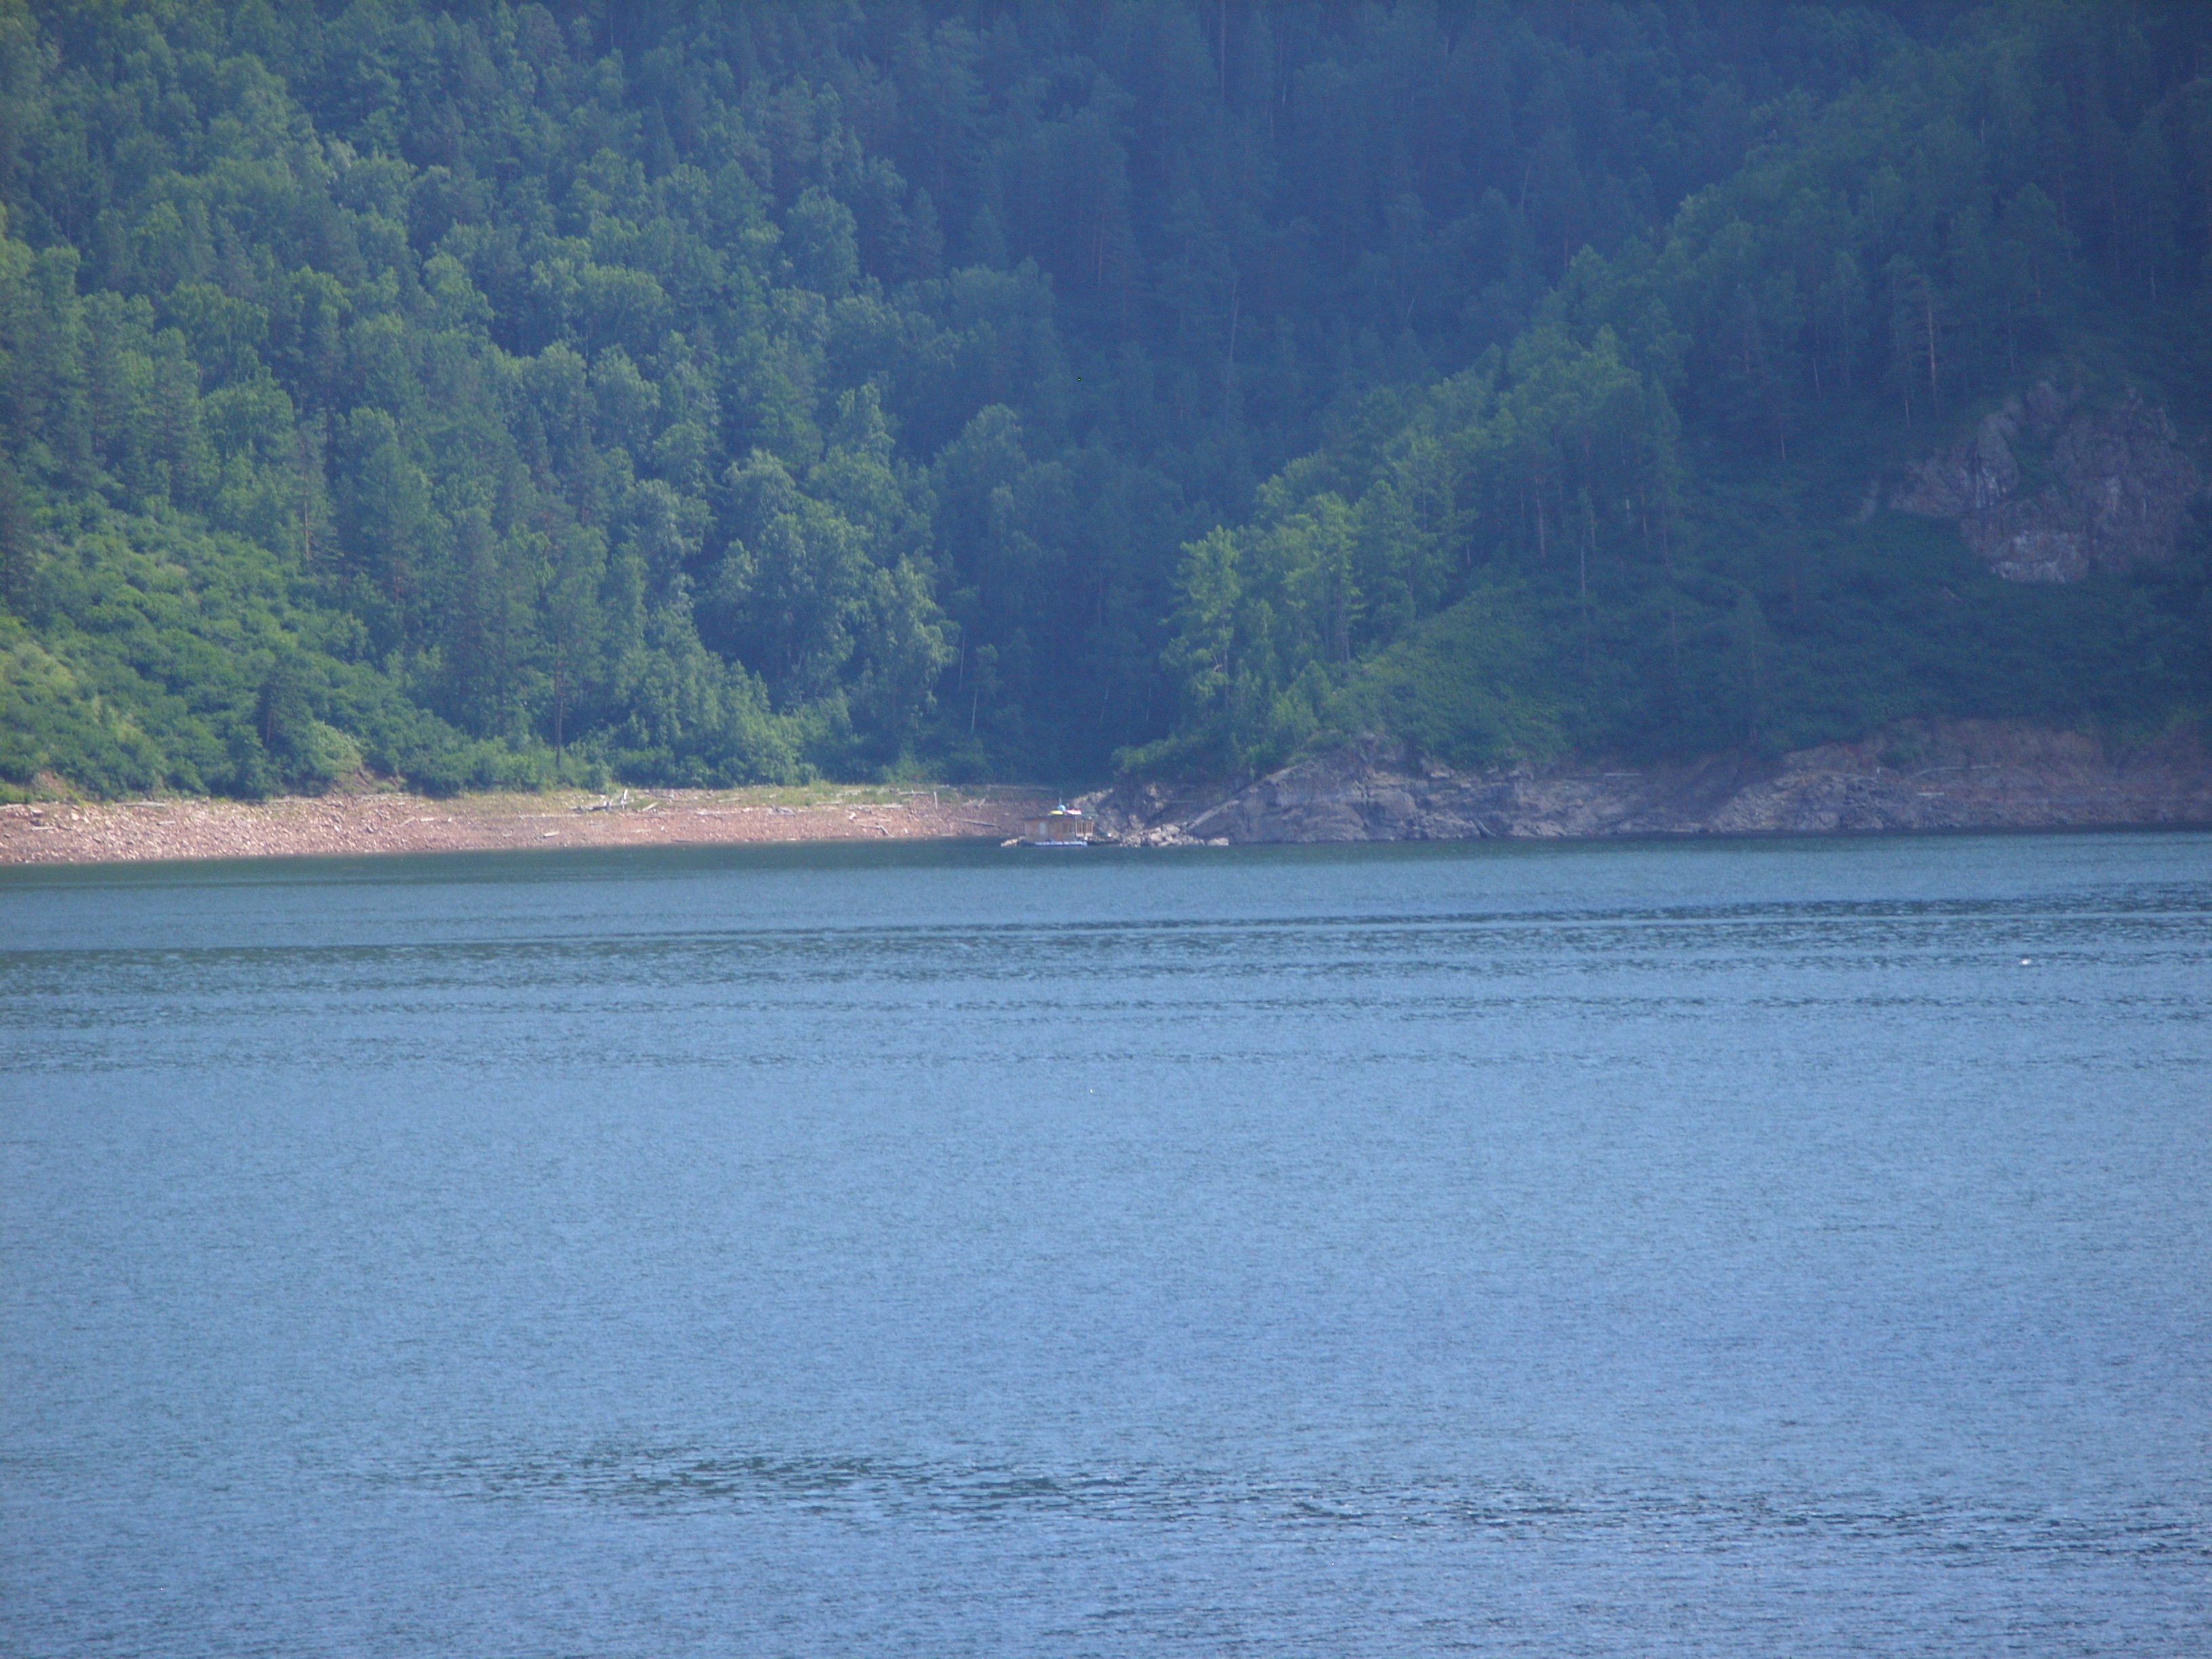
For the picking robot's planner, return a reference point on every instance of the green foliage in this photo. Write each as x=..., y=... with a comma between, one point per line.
x=705, y=394
x=1644, y=581
x=1497, y=472
x=1470, y=686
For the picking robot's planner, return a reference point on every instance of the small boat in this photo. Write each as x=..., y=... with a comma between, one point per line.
x=1064, y=826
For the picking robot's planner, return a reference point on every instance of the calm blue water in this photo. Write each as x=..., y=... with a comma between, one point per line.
x=1723, y=1248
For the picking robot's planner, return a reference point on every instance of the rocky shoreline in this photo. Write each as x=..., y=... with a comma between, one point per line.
x=1920, y=776
x=344, y=824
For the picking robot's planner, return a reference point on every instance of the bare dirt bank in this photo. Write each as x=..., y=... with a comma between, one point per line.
x=63, y=832
x=1919, y=776
x=1932, y=775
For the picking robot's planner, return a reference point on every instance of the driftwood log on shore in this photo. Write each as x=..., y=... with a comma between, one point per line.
x=64, y=832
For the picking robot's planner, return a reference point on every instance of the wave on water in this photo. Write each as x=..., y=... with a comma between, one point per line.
x=875, y=1491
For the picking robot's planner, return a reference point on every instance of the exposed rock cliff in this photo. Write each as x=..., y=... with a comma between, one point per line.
x=2103, y=489
x=1962, y=774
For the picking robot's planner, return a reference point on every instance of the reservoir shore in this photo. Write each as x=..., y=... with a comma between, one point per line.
x=385, y=822
x=1918, y=777
x=1915, y=777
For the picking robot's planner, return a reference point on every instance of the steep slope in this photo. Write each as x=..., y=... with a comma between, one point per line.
x=1692, y=507
x=490, y=394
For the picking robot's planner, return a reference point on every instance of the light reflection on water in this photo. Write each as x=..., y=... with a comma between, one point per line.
x=1776, y=1247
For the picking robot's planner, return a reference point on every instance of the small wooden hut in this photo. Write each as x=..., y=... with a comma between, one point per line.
x=1064, y=826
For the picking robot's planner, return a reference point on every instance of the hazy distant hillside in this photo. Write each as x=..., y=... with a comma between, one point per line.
x=483, y=393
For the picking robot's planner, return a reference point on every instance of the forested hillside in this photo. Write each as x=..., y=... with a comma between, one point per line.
x=483, y=394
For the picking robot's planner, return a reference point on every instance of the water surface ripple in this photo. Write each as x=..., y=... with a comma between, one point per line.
x=1715, y=1248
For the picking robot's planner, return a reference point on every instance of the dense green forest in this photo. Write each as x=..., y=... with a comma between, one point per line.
x=487, y=394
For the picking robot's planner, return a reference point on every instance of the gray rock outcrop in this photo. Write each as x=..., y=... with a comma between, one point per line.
x=2115, y=487
x=1958, y=774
